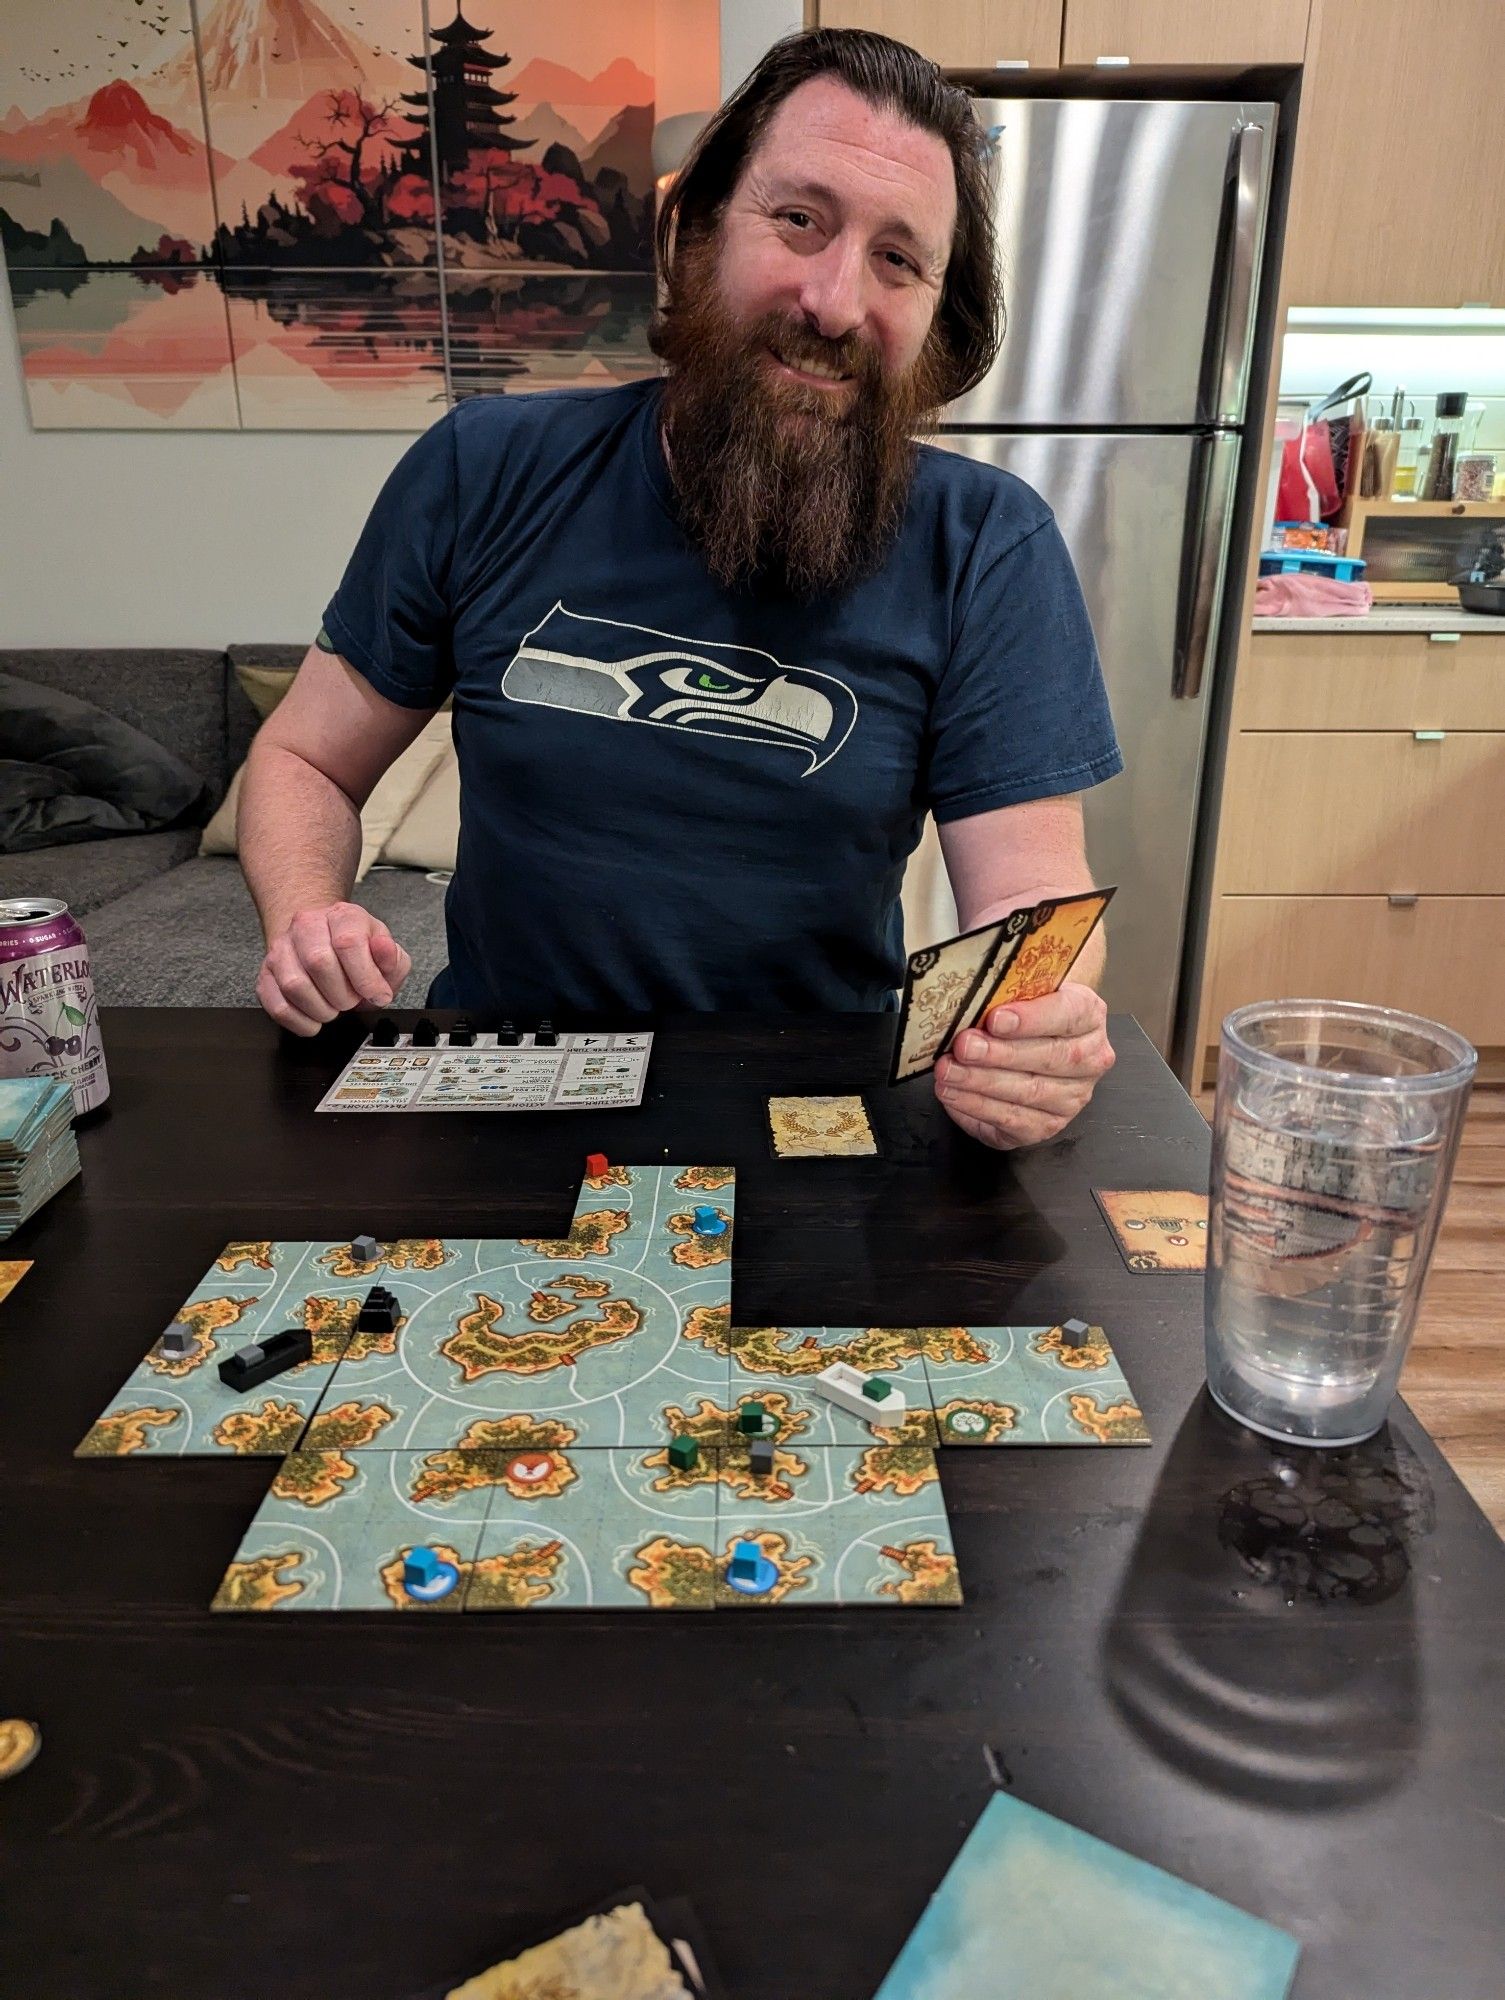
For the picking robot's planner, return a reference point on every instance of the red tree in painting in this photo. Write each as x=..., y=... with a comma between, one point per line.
x=351, y=171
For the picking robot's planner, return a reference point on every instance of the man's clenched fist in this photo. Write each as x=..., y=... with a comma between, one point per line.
x=327, y=961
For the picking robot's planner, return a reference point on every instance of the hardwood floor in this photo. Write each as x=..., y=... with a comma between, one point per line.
x=1455, y=1374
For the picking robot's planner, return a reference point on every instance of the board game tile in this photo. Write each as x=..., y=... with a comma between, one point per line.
x=776, y=1366
x=1000, y=1385
x=333, y=1531
x=510, y=1344
x=1157, y=1229
x=842, y=1524
x=583, y=1530
x=177, y=1406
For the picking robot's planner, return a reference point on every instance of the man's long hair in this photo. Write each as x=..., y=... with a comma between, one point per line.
x=890, y=76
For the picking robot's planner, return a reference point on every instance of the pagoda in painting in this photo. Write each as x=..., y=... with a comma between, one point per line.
x=468, y=110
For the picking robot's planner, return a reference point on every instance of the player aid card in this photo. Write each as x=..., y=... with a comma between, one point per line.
x=1157, y=1229
x=952, y=986
x=806, y=1128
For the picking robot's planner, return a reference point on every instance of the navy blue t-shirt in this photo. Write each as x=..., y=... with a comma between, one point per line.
x=673, y=795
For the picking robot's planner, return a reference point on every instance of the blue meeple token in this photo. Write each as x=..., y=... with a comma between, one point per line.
x=749, y=1571
x=427, y=1576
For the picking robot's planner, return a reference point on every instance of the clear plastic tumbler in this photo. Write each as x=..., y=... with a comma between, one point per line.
x=1334, y=1138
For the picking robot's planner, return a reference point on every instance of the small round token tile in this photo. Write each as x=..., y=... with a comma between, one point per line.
x=966, y=1423
x=19, y=1743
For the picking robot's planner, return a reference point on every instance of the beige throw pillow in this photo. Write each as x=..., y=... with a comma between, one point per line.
x=388, y=804
x=430, y=833
x=265, y=686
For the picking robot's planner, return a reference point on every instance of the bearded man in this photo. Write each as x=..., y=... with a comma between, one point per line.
x=718, y=641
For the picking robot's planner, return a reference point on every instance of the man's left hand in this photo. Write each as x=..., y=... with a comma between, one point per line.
x=1029, y=1069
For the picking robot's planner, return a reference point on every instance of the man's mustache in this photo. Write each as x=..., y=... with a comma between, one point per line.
x=800, y=345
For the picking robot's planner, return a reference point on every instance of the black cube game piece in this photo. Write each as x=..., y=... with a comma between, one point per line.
x=507, y=1036
x=760, y=1457
x=384, y=1034
x=425, y=1034
x=545, y=1037
x=462, y=1035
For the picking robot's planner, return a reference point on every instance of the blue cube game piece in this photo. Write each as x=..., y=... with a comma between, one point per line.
x=426, y=1575
x=750, y=1571
x=708, y=1223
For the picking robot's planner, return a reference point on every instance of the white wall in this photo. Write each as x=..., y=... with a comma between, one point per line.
x=173, y=538
x=204, y=538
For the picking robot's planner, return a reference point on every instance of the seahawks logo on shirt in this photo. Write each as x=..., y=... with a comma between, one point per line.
x=631, y=673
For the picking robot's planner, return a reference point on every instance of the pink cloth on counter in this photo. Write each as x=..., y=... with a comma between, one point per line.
x=1303, y=594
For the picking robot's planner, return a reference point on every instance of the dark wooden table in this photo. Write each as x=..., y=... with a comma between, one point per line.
x=1278, y=1675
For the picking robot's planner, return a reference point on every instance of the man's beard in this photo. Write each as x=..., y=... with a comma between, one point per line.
x=783, y=485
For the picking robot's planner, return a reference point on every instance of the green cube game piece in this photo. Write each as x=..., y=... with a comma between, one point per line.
x=877, y=1388
x=750, y=1419
x=683, y=1452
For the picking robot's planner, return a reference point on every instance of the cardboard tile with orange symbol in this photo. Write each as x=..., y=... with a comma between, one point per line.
x=1023, y=956
x=1157, y=1229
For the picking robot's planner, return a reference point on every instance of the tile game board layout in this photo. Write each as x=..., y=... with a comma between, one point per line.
x=575, y=1422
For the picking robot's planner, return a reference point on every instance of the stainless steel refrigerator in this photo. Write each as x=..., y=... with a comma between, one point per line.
x=1131, y=236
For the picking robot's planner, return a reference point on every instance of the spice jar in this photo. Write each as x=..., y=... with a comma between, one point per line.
x=1435, y=480
x=1474, y=476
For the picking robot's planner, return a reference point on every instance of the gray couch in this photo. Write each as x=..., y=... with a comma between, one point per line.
x=165, y=928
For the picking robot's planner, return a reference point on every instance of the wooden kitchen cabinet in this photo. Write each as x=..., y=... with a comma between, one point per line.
x=1353, y=860
x=1439, y=956
x=1169, y=34
x=1356, y=812
x=1396, y=195
x=960, y=34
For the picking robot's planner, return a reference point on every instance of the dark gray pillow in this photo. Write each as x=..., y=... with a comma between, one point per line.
x=70, y=772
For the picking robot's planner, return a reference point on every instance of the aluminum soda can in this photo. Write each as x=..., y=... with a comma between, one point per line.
x=49, y=1018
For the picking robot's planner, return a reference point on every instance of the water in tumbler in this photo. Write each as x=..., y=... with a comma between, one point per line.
x=1318, y=1253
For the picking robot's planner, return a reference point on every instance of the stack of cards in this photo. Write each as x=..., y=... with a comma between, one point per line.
x=38, y=1152
x=952, y=986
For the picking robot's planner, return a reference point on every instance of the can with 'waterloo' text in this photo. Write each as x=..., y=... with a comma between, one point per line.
x=49, y=1018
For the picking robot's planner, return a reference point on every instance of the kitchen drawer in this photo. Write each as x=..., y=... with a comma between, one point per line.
x=1443, y=957
x=1350, y=813
x=1392, y=680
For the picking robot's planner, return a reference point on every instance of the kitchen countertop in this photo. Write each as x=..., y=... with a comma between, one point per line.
x=1392, y=618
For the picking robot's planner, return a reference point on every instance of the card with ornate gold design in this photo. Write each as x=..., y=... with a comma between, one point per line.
x=938, y=984
x=952, y=986
x=806, y=1128
x=1046, y=952
x=1157, y=1229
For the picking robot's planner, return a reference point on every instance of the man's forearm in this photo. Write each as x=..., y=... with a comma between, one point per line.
x=299, y=836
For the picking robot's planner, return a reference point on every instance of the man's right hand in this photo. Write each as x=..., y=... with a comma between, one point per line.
x=326, y=961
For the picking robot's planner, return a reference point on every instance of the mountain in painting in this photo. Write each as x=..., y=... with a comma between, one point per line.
x=543, y=126
x=282, y=49
x=626, y=145
x=116, y=132
x=154, y=175
x=264, y=59
x=621, y=82
x=104, y=228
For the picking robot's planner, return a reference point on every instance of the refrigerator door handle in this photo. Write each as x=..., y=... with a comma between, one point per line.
x=1232, y=319
x=1208, y=512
